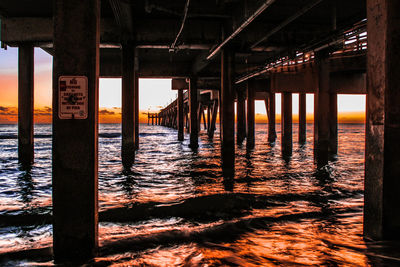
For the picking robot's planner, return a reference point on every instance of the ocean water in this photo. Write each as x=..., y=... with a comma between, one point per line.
x=175, y=208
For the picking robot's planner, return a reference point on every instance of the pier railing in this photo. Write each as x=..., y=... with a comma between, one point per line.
x=346, y=42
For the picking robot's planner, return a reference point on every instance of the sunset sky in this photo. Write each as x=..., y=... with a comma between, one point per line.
x=153, y=94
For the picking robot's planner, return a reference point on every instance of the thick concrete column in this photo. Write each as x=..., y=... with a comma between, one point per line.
x=250, y=116
x=180, y=114
x=241, y=116
x=333, y=124
x=25, y=104
x=75, y=149
x=286, y=123
x=302, y=119
x=128, y=104
x=136, y=88
x=227, y=111
x=382, y=157
x=271, y=118
x=194, y=129
x=321, y=109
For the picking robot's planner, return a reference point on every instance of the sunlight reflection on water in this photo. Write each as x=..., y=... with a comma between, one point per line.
x=174, y=207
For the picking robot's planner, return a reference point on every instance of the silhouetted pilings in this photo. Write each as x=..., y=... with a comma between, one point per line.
x=176, y=114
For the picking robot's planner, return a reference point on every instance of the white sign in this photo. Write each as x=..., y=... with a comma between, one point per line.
x=73, y=97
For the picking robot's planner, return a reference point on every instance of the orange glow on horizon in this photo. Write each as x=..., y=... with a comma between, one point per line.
x=9, y=115
x=153, y=95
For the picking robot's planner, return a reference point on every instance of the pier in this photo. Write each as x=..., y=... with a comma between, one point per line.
x=217, y=53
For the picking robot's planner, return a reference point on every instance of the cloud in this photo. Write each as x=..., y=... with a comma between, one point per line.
x=8, y=111
x=46, y=111
x=106, y=112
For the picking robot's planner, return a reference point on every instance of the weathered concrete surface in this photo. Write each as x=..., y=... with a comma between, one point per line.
x=382, y=160
x=25, y=104
x=128, y=104
x=75, y=142
x=227, y=111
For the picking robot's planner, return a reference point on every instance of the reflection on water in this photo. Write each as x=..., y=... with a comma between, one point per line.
x=175, y=207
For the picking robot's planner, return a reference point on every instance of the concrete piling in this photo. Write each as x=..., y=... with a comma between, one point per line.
x=194, y=130
x=382, y=172
x=321, y=108
x=250, y=133
x=286, y=124
x=227, y=112
x=302, y=118
x=128, y=103
x=75, y=141
x=241, y=117
x=271, y=118
x=180, y=114
x=25, y=104
x=136, y=97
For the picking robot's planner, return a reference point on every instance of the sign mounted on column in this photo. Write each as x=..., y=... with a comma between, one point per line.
x=72, y=97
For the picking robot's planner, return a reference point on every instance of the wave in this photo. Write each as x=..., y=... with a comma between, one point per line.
x=205, y=208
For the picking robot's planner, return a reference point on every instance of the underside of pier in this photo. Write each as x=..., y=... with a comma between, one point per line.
x=217, y=52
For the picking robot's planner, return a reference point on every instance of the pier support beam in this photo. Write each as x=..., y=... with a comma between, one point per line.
x=194, y=129
x=286, y=123
x=241, y=117
x=322, y=109
x=382, y=157
x=250, y=116
x=227, y=111
x=136, y=88
x=25, y=104
x=271, y=118
x=302, y=119
x=333, y=124
x=180, y=114
x=128, y=104
x=214, y=111
x=75, y=141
